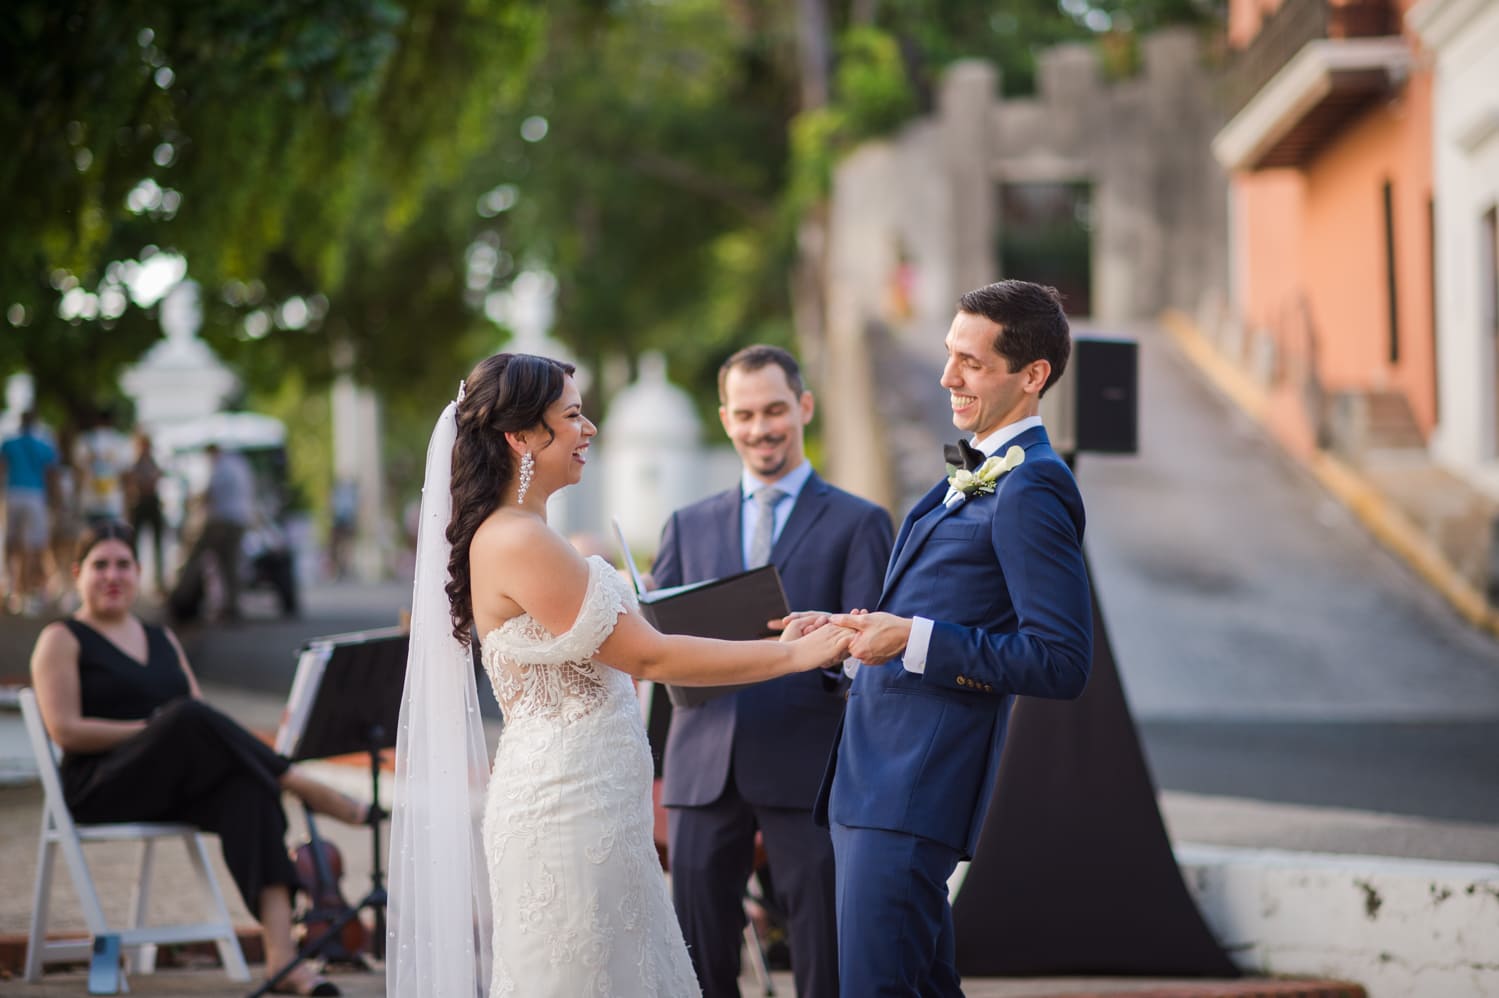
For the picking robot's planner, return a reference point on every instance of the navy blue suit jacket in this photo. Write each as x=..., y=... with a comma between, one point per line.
x=777, y=735
x=1003, y=578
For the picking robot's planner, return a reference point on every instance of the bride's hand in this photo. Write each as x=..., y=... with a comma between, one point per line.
x=794, y=625
x=823, y=648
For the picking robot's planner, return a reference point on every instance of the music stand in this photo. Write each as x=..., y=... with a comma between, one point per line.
x=346, y=698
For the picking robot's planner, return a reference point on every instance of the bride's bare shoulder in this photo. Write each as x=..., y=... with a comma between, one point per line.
x=511, y=534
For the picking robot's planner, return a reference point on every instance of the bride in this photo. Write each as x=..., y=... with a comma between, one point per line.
x=574, y=902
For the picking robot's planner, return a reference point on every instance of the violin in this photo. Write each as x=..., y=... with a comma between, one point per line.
x=320, y=867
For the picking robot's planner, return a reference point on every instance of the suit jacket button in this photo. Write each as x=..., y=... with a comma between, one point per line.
x=962, y=681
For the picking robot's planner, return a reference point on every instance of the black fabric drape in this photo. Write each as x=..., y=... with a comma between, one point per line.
x=1074, y=873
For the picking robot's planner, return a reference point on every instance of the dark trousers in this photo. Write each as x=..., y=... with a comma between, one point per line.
x=147, y=513
x=222, y=539
x=895, y=931
x=195, y=765
x=712, y=852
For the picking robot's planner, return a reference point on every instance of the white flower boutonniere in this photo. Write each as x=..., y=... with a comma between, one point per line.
x=981, y=480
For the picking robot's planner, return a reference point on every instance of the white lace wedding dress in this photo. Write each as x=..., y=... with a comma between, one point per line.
x=580, y=903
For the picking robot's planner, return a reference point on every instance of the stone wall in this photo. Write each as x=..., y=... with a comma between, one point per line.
x=914, y=224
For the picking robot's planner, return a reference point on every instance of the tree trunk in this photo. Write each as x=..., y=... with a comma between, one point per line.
x=814, y=49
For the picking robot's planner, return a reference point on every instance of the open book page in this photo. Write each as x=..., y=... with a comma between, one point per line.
x=629, y=556
x=304, y=687
x=640, y=591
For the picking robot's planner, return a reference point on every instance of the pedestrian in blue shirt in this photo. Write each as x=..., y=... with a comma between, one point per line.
x=29, y=462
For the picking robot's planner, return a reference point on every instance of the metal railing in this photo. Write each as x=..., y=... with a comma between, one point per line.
x=1287, y=31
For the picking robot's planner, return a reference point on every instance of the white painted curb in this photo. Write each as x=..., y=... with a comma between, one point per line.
x=1402, y=928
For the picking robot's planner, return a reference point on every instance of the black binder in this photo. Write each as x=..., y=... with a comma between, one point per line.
x=734, y=608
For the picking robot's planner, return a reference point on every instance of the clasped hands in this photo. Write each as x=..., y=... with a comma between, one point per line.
x=874, y=638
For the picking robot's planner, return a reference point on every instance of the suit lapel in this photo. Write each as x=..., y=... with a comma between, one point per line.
x=922, y=519
x=810, y=504
x=908, y=541
x=729, y=551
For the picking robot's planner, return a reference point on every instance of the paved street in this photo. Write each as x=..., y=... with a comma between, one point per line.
x=1269, y=648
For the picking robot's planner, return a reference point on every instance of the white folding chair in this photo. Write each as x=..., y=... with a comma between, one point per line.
x=61, y=832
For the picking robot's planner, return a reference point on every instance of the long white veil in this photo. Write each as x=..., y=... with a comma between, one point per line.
x=438, y=935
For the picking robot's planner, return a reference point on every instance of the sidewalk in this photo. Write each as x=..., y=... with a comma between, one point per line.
x=211, y=984
x=114, y=866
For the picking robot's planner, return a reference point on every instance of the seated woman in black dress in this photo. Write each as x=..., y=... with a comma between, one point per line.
x=140, y=745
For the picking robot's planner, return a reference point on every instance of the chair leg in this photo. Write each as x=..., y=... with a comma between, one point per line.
x=83, y=883
x=88, y=895
x=41, y=901
x=230, y=953
x=757, y=957
x=143, y=960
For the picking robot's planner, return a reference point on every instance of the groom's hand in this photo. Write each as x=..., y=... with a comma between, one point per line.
x=879, y=637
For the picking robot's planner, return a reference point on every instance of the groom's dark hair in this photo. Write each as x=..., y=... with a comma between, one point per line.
x=753, y=358
x=1032, y=325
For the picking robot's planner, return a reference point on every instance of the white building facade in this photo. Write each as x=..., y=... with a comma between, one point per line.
x=1462, y=37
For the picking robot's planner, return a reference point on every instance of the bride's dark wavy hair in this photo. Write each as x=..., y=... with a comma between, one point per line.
x=506, y=393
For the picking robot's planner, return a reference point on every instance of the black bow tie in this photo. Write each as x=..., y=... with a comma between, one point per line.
x=963, y=455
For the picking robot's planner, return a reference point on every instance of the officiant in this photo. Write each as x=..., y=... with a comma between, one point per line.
x=751, y=761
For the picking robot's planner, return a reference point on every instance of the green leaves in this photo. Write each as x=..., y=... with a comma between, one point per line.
x=326, y=169
x=272, y=143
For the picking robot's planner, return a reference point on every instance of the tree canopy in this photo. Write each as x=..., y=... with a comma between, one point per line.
x=272, y=144
x=351, y=181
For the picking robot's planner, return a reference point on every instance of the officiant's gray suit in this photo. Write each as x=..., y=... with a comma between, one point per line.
x=754, y=759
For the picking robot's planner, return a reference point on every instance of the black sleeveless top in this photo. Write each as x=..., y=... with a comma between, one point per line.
x=114, y=686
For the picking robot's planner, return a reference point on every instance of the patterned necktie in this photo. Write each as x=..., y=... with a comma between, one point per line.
x=765, y=525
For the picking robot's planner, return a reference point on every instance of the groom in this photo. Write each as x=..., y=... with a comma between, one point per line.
x=986, y=598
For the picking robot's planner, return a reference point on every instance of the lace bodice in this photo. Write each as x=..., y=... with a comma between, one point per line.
x=538, y=674
x=580, y=906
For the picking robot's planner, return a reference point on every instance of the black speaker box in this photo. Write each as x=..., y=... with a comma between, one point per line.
x=1107, y=373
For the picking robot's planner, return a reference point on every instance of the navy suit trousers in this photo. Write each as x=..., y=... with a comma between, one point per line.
x=898, y=881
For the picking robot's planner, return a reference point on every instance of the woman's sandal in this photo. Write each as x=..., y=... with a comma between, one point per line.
x=317, y=985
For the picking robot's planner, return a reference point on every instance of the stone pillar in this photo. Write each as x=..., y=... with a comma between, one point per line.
x=653, y=458
x=357, y=459
x=858, y=258
x=965, y=100
x=179, y=380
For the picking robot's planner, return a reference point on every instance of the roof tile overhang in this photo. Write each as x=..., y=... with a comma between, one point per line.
x=1324, y=85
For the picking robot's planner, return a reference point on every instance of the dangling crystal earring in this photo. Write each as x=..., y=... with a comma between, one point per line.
x=527, y=466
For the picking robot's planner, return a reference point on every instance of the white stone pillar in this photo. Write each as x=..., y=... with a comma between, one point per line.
x=654, y=460
x=357, y=458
